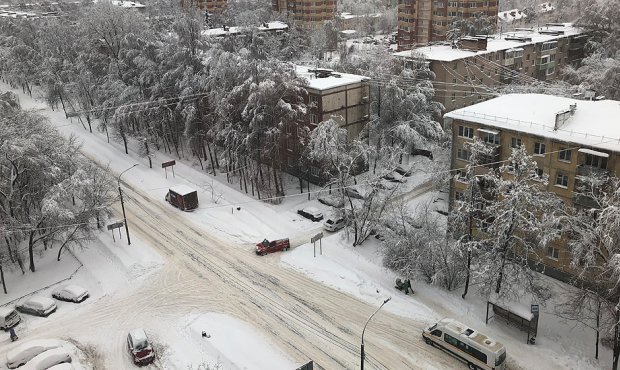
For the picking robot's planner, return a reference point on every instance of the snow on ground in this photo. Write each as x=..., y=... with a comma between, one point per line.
x=230, y=343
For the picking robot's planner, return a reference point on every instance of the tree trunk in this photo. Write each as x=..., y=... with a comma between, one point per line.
x=211, y=158
x=31, y=251
x=2, y=278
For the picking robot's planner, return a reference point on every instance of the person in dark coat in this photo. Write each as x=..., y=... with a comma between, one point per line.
x=13, y=335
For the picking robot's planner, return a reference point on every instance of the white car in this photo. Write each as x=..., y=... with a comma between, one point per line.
x=70, y=293
x=334, y=223
x=28, y=350
x=47, y=359
x=38, y=306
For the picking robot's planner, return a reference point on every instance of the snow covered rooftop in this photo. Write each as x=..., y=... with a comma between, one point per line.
x=182, y=189
x=222, y=31
x=445, y=52
x=128, y=4
x=335, y=79
x=346, y=15
x=594, y=123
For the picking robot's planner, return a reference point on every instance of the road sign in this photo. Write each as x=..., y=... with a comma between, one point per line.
x=115, y=225
x=168, y=164
x=318, y=236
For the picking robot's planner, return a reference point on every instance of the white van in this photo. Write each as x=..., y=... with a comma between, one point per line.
x=468, y=345
x=8, y=318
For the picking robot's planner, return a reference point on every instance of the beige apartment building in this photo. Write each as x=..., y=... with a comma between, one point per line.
x=567, y=138
x=424, y=21
x=333, y=95
x=305, y=13
x=472, y=70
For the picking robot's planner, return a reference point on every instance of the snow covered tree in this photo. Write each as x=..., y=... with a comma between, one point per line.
x=479, y=24
x=593, y=235
x=517, y=226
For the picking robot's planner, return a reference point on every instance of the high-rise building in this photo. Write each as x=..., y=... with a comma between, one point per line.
x=306, y=13
x=424, y=21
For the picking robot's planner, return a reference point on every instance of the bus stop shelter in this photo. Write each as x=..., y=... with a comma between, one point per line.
x=516, y=314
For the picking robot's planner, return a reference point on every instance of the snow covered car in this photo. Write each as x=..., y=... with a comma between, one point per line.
x=47, y=359
x=139, y=347
x=353, y=193
x=267, y=246
x=311, y=213
x=395, y=177
x=65, y=366
x=38, y=306
x=334, y=223
x=70, y=293
x=8, y=318
x=403, y=170
x=27, y=351
x=331, y=200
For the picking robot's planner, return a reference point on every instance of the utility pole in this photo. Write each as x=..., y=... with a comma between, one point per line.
x=120, y=192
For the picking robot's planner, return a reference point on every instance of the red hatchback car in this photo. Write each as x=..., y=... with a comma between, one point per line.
x=139, y=347
x=267, y=246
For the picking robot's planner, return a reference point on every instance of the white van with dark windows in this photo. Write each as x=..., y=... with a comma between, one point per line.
x=8, y=318
x=468, y=345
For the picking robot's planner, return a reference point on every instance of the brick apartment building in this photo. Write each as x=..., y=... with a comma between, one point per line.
x=305, y=13
x=424, y=21
x=472, y=70
x=568, y=139
x=211, y=6
x=339, y=96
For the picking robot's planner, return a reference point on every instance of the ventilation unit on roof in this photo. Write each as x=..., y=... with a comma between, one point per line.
x=518, y=38
x=554, y=24
x=524, y=29
x=551, y=32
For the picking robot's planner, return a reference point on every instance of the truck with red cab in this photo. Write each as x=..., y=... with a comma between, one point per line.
x=267, y=246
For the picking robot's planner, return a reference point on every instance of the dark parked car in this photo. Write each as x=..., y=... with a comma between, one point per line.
x=139, y=347
x=311, y=213
x=38, y=306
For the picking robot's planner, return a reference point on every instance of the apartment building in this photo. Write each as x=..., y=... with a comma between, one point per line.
x=308, y=14
x=211, y=6
x=424, y=21
x=342, y=97
x=567, y=138
x=472, y=70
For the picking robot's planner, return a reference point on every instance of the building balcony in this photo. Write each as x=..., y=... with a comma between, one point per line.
x=585, y=170
x=545, y=66
x=508, y=62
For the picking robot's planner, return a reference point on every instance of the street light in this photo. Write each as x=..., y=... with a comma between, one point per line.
x=120, y=192
x=362, y=354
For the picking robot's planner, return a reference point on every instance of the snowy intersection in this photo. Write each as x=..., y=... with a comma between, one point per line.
x=188, y=273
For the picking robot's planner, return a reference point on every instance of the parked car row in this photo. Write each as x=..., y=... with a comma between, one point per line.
x=39, y=354
x=41, y=306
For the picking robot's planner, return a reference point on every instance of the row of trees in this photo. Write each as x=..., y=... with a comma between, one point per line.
x=50, y=196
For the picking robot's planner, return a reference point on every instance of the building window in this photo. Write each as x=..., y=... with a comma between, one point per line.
x=314, y=118
x=290, y=144
x=561, y=179
x=564, y=154
x=459, y=196
x=515, y=142
x=467, y=132
x=490, y=138
x=539, y=174
x=314, y=100
x=453, y=97
x=463, y=154
x=596, y=161
x=314, y=171
x=539, y=149
x=553, y=253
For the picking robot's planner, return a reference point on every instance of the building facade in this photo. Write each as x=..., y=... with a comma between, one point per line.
x=424, y=21
x=211, y=6
x=472, y=70
x=331, y=95
x=305, y=13
x=567, y=138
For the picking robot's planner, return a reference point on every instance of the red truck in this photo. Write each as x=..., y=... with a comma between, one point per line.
x=267, y=246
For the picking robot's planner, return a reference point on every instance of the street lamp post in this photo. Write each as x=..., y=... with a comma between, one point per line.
x=120, y=192
x=362, y=348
